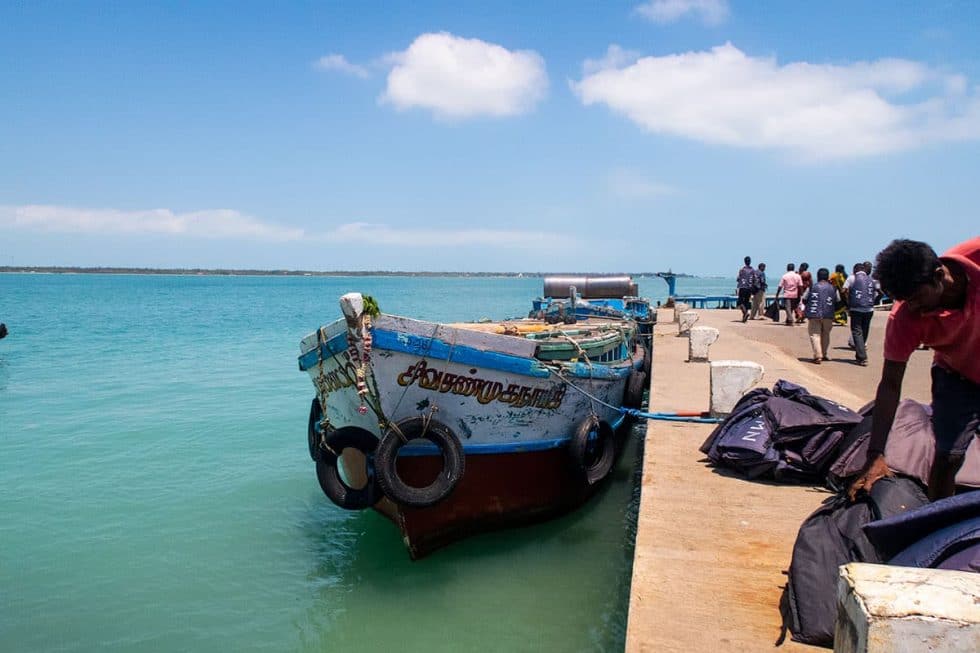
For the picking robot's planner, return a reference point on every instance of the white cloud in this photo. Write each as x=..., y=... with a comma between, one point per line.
x=382, y=234
x=629, y=184
x=229, y=224
x=217, y=223
x=724, y=96
x=615, y=57
x=462, y=78
x=339, y=63
x=710, y=12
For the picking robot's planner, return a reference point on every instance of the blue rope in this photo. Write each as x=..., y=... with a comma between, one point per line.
x=668, y=417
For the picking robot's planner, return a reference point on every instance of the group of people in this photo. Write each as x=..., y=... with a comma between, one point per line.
x=937, y=305
x=821, y=305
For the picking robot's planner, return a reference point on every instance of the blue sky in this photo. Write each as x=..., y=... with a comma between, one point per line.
x=485, y=136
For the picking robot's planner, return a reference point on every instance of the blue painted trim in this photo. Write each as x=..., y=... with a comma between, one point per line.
x=490, y=448
x=498, y=448
x=433, y=348
x=335, y=345
x=604, y=372
x=425, y=347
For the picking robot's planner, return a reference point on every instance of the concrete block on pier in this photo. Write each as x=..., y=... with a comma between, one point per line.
x=699, y=340
x=687, y=320
x=729, y=381
x=882, y=608
x=680, y=307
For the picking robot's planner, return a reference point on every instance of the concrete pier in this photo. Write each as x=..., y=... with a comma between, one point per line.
x=711, y=548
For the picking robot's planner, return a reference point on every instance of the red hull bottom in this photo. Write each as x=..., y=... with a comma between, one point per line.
x=497, y=491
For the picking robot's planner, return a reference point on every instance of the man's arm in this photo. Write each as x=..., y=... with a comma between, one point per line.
x=886, y=403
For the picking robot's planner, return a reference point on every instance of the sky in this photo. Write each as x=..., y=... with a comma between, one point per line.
x=485, y=136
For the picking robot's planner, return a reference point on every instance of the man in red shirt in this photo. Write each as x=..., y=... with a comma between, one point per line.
x=937, y=303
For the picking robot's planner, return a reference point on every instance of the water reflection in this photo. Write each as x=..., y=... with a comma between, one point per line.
x=559, y=585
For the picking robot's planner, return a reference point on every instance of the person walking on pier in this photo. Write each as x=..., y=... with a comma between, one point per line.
x=807, y=282
x=859, y=290
x=789, y=285
x=937, y=303
x=838, y=278
x=745, y=282
x=759, y=298
x=818, y=305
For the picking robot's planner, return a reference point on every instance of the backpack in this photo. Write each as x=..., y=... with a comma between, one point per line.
x=833, y=536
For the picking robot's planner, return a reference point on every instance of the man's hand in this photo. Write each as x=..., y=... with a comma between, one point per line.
x=875, y=471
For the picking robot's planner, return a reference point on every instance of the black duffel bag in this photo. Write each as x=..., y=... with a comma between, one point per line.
x=833, y=536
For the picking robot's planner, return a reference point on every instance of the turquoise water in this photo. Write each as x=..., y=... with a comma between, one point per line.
x=157, y=493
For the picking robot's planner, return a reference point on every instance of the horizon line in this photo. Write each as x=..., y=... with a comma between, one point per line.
x=72, y=269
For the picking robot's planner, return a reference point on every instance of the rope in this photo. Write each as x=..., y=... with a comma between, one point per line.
x=667, y=417
x=588, y=362
x=632, y=412
x=368, y=399
x=385, y=422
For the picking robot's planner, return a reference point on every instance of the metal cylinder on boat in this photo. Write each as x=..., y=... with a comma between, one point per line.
x=591, y=287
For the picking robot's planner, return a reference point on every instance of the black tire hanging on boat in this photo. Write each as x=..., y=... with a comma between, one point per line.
x=312, y=432
x=328, y=473
x=593, y=449
x=648, y=357
x=386, y=457
x=636, y=384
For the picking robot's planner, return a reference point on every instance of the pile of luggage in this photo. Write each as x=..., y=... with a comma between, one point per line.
x=893, y=524
x=788, y=435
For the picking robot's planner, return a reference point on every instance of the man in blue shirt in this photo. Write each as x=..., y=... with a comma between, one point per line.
x=859, y=291
x=818, y=307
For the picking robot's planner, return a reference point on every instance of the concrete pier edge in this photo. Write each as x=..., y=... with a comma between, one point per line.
x=711, y=548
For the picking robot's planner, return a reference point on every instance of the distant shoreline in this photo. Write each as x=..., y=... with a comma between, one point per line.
x=305, y=273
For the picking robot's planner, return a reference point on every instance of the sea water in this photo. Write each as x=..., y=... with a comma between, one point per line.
x=157, y=493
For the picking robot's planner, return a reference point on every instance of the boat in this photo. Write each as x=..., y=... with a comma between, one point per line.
x=454, y=429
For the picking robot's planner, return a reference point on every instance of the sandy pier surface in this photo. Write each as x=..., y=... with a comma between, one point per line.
x=711, y=548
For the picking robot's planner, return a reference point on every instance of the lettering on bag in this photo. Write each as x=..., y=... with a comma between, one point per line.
x=757, y=428
x=485, y=391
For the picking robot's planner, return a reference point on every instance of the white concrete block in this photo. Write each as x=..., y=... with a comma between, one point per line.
x=729, y=381
x=680, y=307
x=687, y=320
x=904, y=609
x=699, y=340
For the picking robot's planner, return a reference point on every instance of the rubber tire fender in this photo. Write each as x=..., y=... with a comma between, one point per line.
x=593, y=468
x=648, y=357
x=328, y=474
x=453, y=462
x=636, y=384
x=312, y=433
